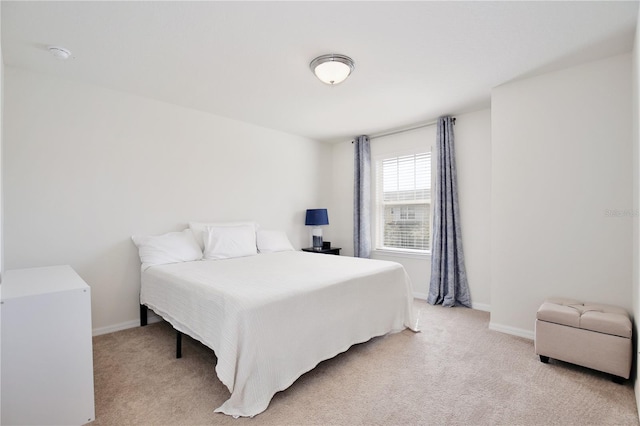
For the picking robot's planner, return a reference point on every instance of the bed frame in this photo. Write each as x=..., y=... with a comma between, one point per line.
x=144, y=312
x=389, y=310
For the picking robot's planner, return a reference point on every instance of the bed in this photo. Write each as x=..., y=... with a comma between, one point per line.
x=271, y=317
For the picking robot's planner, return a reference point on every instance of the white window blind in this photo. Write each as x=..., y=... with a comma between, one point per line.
x=403, y=202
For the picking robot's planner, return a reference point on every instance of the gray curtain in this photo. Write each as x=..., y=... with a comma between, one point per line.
x=448, y=285
x=362, y=198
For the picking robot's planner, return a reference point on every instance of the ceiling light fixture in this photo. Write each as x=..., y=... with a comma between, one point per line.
x=60, y=52
x=333, y=68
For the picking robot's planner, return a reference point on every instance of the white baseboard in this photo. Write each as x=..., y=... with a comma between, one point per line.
x=481, y=307
x=421, y=296
x=520, y=332
x=151, y=318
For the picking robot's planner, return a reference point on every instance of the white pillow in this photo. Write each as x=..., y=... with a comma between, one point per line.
x=199, y=228
x=226, y=242
x=172, y=247
x=272, y=241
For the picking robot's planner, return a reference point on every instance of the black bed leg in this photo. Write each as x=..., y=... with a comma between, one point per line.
x=544, y=359
x=178, y=345
x=143, y=315
x=617, y=379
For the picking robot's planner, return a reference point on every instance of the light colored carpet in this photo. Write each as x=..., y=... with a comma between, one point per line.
x=455, y=372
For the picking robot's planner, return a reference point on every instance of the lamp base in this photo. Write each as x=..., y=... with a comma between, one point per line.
x=317, y=239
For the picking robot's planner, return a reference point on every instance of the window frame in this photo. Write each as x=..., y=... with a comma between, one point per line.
x=377, y=217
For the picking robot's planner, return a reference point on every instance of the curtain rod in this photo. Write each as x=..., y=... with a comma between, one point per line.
x=403, y=130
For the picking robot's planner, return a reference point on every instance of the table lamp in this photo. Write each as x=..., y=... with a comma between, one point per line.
x=317, y=218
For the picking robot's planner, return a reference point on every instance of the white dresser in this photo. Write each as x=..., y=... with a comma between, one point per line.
x=47, y=356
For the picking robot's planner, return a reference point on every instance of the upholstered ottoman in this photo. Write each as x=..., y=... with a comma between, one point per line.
x=587, y=334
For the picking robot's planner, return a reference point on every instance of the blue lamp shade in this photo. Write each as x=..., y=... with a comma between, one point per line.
x=317, y=217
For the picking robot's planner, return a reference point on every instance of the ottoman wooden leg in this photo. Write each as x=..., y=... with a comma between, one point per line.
x=544, y=359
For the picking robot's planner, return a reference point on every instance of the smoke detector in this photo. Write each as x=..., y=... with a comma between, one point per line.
x=60, y=52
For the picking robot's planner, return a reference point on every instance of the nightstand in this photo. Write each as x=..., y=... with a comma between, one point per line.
x=332, y=250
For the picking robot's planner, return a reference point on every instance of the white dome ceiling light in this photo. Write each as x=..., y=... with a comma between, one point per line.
x=60, y=52
x=333, y=68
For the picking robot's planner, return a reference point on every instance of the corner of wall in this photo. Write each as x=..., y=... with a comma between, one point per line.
x=635, y=110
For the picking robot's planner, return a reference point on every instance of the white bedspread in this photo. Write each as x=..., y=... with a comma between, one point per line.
x=271, y=317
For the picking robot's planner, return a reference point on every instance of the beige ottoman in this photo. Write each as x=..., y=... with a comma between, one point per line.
x=587, y=334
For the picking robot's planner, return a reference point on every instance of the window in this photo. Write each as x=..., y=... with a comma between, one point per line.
x=403, y=202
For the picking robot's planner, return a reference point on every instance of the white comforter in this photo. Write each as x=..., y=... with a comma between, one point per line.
x=274, y=316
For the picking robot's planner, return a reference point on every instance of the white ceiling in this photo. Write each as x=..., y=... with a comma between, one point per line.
x=249, y=60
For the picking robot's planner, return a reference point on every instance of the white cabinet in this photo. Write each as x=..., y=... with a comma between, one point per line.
x=47, y=357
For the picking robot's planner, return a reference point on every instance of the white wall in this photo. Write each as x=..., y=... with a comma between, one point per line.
x=340, y=229
x=561, y=191
x=473, y=156
x=473, y=159
x=85, y=168
x=1, y=136
x=635, y=114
